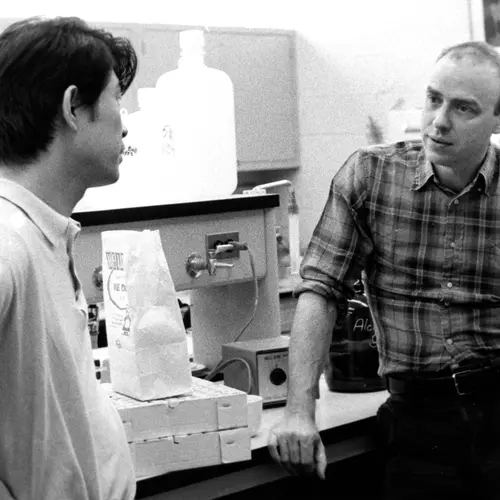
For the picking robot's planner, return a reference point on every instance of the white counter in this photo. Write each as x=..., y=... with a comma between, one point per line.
x=350, y=413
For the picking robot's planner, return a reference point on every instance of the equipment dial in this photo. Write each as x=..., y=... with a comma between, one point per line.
x=277, y=376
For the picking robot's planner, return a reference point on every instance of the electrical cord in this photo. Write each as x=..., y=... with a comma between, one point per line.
x=222, y=364
x=256, y=293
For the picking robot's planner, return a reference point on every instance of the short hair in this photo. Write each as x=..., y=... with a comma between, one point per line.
x=39, y=59
x=479, y=51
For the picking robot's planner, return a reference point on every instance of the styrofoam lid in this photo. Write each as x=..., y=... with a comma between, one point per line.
x=192, y=40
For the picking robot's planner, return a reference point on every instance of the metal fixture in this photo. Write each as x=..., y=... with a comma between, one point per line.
x=196, y=264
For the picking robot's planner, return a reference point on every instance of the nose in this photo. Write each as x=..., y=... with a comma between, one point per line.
x=441, y=119
x=124, y=131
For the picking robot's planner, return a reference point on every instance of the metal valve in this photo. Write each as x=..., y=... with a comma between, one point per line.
x=213, y=263
x=195, y=264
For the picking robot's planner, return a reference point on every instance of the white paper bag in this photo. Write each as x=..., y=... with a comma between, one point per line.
x=148, y=351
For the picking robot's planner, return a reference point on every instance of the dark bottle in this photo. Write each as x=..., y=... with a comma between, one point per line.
x=352, y=363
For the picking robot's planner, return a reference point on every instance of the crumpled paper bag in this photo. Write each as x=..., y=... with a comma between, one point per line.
x=147, y=342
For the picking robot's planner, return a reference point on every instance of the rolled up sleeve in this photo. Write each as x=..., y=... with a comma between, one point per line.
x=340, y=244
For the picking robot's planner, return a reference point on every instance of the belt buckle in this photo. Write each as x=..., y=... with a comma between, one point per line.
x=456, y=381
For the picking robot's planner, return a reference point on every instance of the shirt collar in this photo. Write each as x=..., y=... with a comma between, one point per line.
x=425, y=171
x=488, y=169
x=53, y=225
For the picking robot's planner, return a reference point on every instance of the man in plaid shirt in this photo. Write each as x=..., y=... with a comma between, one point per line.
x=421, y=222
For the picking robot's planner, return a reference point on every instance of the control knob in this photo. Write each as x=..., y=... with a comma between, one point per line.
x=277, y=376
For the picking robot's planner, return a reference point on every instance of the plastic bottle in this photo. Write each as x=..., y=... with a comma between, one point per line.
x=143, y=136
x=145, y=166
x=197, y=108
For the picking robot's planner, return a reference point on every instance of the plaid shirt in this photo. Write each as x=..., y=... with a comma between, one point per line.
x=430, y=257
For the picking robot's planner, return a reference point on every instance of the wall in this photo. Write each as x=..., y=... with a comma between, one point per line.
x=258, y=13
x=355, y=59
x=355, y=62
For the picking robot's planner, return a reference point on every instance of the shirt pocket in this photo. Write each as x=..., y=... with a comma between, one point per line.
x=395, y=243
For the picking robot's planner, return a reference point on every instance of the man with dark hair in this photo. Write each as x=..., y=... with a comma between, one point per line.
x=420, y=221
x=60, y=133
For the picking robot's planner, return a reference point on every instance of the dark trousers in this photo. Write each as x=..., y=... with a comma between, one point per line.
x=441, y=448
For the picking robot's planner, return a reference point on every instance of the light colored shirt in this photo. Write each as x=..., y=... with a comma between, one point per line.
x=431, y=257
x=60, y=436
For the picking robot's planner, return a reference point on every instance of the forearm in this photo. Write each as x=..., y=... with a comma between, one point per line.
x=309, y=342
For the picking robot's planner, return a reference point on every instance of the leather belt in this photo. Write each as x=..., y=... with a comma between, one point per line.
x=459, y=383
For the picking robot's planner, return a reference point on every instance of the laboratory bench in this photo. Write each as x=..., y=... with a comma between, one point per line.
x=347, y=426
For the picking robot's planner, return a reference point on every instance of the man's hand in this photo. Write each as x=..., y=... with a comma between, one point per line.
x=295, y=444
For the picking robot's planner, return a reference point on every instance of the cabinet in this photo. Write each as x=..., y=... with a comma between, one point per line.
x=261, y=68
x=261, y=65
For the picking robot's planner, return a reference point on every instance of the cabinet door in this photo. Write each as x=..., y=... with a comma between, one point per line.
x=261, y=66
x=159, y=53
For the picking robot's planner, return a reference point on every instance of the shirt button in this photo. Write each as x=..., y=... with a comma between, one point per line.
x=449, y=341
x=449, y=284
x=452, y=244
x=479, y=190
x=456, y=202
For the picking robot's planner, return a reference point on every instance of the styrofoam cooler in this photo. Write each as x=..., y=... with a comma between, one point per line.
x=208, y=427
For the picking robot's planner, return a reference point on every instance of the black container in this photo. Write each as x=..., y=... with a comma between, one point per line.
x=352, y=363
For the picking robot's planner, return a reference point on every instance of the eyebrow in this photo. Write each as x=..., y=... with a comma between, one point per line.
x=470, y=102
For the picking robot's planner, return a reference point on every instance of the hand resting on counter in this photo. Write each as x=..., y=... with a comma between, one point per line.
x=295, y=444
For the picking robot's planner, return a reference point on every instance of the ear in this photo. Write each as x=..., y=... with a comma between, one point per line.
x=68, y=107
